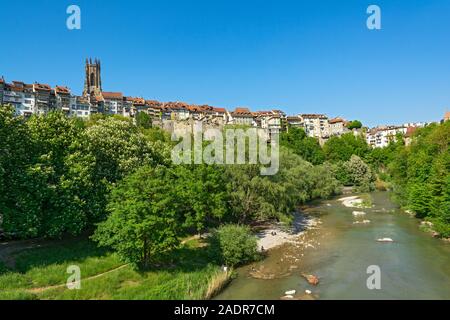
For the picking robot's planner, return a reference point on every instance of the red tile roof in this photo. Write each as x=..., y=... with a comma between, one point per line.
x=62, y=90
x=220, y=110
x=42, y=87
x=336, y=120
x=112, y=95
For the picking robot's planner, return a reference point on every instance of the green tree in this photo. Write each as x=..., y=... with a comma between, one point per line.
x=355, y=124
x=359, y=174
x=342, y=148
x=234, y=244
x=143, y=120
x=203, y=194
x=306, y=147
x=144, y=217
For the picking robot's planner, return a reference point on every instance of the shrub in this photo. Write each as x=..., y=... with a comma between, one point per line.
x=234, y=244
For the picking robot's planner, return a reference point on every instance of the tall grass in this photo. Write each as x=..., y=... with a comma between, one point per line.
x=190, y=275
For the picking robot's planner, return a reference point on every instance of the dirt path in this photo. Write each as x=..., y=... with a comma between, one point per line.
x=42, y=289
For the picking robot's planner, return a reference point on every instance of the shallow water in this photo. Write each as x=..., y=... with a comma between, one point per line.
x=415, y=266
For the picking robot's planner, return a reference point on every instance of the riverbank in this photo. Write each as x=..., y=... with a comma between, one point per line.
x=41, y=273
x=275, y=235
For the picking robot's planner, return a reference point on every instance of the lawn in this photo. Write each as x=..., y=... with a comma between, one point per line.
x=188, y=273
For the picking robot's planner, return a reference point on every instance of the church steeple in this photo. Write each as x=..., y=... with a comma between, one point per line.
x=93, y=80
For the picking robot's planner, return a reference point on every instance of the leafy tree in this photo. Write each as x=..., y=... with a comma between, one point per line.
x=306, y=147
x=359, y=174
x=105, y=153
x=19, y=213
x=203, y=194
x=144, y=220
x=342, y=148
x=143, y=120
x=355, y=124
x=234, y=244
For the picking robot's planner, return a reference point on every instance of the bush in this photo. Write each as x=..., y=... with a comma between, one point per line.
x=359, y=174
x=234, y=245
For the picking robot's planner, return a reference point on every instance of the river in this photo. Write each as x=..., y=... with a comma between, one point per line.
x=414, y=266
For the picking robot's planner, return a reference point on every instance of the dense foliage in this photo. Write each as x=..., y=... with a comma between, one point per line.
x=234, y=244
x=421, y=175
x=306, y=147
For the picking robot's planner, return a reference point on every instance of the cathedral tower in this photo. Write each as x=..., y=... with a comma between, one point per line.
x=93, y=80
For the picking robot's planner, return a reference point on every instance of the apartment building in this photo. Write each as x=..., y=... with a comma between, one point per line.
x=337, y=126
x=381, y=136
x=271, y=120
x=241, y=116
x=112, y=102
x=80, y=107
x=62, y=98
x=316, y=125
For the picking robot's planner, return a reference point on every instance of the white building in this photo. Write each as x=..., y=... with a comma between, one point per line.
x=316, y=125
x=21, y=97
x=80, y=107
x=337, y=127
x=270, y=120
x=241, y=116
x=380, y=137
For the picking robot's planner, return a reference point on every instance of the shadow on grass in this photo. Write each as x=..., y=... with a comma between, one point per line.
x=58, y=252
x=186, y=258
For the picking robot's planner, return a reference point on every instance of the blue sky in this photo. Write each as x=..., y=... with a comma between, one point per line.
x=300, y=56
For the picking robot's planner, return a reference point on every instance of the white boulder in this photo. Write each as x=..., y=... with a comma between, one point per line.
x=290, y=293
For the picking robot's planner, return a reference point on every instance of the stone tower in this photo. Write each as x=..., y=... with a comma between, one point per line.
x=93, y=79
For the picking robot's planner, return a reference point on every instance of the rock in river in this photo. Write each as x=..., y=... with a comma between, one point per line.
x=385, y=240
x=311, y=279
x=290, y=293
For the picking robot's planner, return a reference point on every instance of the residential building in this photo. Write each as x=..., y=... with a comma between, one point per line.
x=44, y=102
x=241, y=116
x=112, y=102
x=294, y=122
x=337, y=126
x=80, y=107
x=20, y=97
x=62, y=98
x=316, y=125
x=380, y=137
x=270, y=120
x=219, y=115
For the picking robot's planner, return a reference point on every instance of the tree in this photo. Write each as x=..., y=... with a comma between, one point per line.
x=342, y=148
x=355, y=124
x=359, y=174
x=19, y=213
x=234, y=245
x=144, y=217
x=202, y=191
x=106, y=152
x=143, y=120
x=306, y=147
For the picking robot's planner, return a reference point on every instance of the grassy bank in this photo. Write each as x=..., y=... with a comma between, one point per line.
x=40, y=273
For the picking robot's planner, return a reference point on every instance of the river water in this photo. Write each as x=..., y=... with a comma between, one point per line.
x=414, y=266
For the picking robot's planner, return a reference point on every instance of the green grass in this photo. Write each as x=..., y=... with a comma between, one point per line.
x=186, y=274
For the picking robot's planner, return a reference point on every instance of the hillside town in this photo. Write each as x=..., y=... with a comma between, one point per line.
x=38, y=98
